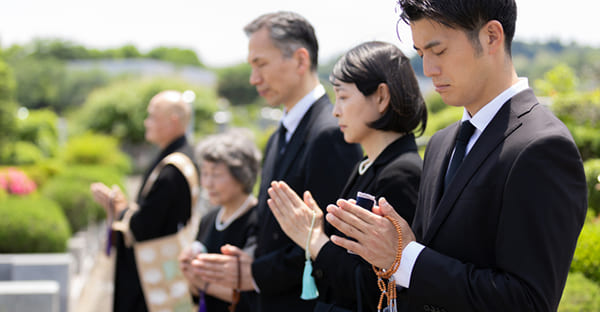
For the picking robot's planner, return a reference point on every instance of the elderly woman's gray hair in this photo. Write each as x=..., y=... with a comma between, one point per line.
x=236, y=149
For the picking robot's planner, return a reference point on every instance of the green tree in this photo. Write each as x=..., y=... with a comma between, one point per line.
x=175, y=55
x=38, y=81
x=234, y=84
x=560, y=80
x=7, y=106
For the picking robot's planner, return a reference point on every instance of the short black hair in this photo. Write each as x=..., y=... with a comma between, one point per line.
x=289, y=32
x=372, y=63
x=468, y=15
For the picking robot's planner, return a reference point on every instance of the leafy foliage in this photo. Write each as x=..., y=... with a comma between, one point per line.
x=587, y=254
x=119, y=109
x=32, y=224
x=579, y=110
x=175, y=55
x=7, y=105
x=580, y=295
x=71, y=190
x=592, y=173
x=233, y=84
x=96, y=149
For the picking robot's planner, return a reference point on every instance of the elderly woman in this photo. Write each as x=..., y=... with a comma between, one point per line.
x=229, y=165
x=378, y=105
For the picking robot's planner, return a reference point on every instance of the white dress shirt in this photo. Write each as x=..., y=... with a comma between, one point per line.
x=292, y=119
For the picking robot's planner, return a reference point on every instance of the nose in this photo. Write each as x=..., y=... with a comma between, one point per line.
x=255, y=77
x=336, y=109
x=430, y=67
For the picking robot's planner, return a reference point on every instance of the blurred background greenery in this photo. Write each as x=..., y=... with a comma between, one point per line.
x=70, y=115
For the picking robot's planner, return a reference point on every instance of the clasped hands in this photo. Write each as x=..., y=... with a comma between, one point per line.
x=104, y=196
x=375, y=237
x=220, y=269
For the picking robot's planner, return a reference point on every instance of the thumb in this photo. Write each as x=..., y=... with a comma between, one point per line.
x=311, y=203
x=385, y=209
x=230, y=250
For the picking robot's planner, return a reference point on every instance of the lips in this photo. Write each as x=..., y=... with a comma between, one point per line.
x=441, y=87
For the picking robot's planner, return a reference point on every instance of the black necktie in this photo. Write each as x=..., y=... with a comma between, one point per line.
x=462, y=139
x=281, y=142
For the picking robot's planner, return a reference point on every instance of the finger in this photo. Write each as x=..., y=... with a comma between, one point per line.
x=357, y=212
x=347, y=244
x=338, y=218
x=276, y=197
x=290, y=195
x=231, y=250
x=312, y=204
x=387, y=209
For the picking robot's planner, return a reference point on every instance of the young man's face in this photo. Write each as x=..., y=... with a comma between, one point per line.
x=459, y=72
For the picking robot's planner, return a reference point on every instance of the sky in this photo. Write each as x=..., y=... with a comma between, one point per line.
x=214, y=28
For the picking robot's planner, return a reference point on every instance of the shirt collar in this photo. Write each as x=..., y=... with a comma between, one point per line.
x=291, y=119
x=485, y=115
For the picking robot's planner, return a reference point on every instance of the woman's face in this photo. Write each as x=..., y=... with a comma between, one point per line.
x=221, y=186
x=354, y=111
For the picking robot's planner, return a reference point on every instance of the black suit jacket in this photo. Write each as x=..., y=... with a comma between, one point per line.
x=395, y=175
x=317, y=159
x=161, y=212
x=502, y=236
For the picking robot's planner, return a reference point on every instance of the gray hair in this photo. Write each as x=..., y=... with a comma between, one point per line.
x=237, y=150
x=289, y=31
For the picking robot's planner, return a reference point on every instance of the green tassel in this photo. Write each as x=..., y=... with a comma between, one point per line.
x=309, y=288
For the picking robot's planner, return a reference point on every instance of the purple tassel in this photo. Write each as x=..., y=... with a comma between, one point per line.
x=201, y=303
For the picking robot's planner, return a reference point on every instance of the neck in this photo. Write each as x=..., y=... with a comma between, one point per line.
x=308, y=83
x=378, y=141
x=501, y=80
x=233, y=205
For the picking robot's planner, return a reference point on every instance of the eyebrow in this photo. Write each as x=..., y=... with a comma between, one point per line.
x=429, y=45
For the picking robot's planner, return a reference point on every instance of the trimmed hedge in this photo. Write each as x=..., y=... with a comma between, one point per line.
x=96, y=149
x=32, y=224
x=71, y=190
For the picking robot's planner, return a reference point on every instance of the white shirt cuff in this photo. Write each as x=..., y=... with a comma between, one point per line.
x=409, y=257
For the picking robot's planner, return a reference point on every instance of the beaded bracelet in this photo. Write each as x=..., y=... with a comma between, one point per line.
x=389, y=290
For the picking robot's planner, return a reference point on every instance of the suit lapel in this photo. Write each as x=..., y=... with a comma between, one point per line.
x=502, y=125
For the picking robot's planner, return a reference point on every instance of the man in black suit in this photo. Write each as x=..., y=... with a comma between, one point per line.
x=163, y=209
x=497, y=232
x=310, y=154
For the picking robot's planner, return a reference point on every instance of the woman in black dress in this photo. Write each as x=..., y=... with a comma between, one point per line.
x=229, y=165
x=378, y=105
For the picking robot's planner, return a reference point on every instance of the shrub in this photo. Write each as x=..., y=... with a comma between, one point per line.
x=96, y=149
x=21, y=153
x=71, y=190
x=580, y=295
x=442, y=119
x=435, y=103
x=587, y=254
x=32, y=224
x=592, y=173
x=40, y=127
x=15, y=181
